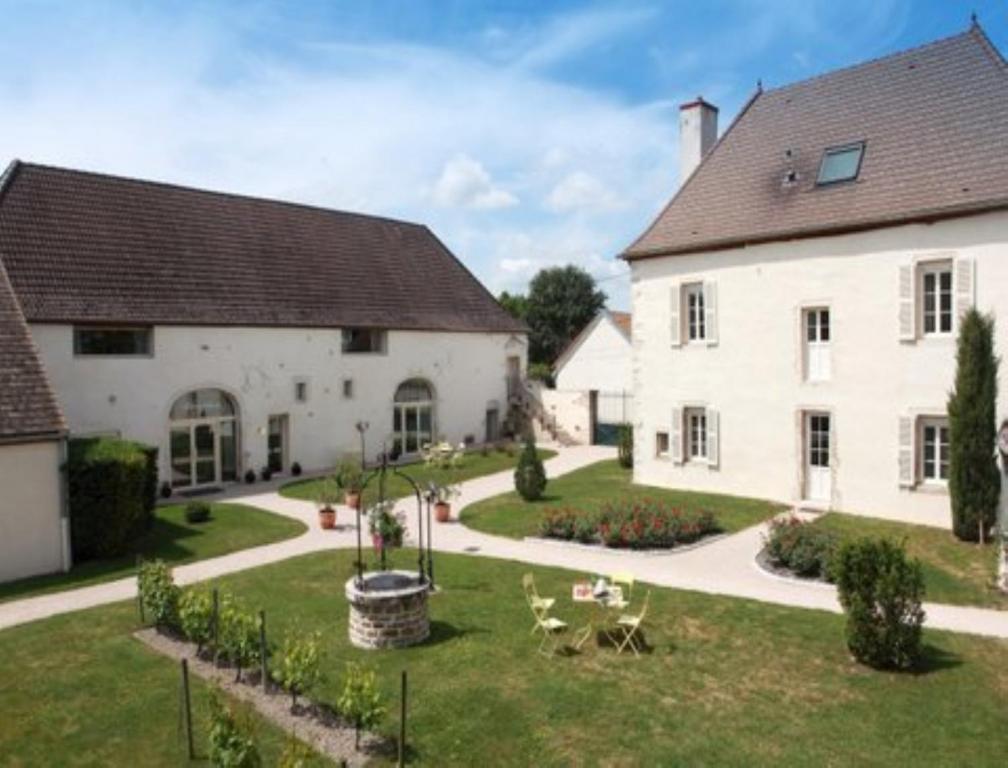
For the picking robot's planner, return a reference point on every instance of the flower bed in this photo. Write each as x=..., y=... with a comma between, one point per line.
x=800, y=548
x=630, y=524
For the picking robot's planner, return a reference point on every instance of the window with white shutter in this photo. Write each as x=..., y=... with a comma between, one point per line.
x=965, y=280
x=675, y=321
x=677, y=436
x=710, y=312
x=907, y=311
x=907, y=475
x=713, y=438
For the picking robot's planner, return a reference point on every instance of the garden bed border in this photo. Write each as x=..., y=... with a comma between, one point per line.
x=679, y=549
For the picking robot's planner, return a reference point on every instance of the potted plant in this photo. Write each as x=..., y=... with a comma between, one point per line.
x=350, y=479
x=327, y=497
x=443, y=494
x=386, y=528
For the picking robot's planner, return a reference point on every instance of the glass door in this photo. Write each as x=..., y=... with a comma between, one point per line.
x=228, y=439
x=817, y=468
x=276, y=443
x=205, y=459
x=180, y=443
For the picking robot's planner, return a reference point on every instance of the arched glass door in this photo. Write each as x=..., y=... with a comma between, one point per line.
x=412, y=416
x=204, y=439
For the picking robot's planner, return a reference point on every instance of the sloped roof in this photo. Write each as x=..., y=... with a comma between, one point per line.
x=87, y=247
x=622, y=321
x=935, y=125
x=28, y=407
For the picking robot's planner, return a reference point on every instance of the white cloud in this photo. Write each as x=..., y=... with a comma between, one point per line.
x=465, y=182
x=581, y=191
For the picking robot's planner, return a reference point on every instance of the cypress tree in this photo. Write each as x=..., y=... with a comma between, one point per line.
x=530, y=475
x=974, y=479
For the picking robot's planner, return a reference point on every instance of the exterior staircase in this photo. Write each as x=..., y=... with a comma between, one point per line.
x=526, y=411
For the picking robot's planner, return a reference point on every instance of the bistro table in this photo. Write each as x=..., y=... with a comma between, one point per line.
x=606, y=602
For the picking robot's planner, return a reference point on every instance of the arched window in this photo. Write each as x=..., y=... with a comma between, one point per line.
x=203, y=428
x=412, y=416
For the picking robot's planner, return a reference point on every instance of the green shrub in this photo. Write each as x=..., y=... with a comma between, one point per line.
x=881, y=590
x=624, y=446
x=195, y=611
x=529, y=475
x=197, y=512
x=974, y=478
x=296, y=754
x=801, y=547
x=630, y=524
x=361, y=701
x=300, y=664
x=238, y=640
x=158, y=594
x=112, y=491
x=541, y=372
x=231, y=744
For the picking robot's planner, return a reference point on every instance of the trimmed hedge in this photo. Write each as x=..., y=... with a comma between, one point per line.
x=113, y=489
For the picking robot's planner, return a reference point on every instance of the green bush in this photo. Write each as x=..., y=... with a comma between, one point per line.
x=974, y=478
x=801, y=547
x=300, y=664
x=629, y=524
x=881, y=590
x=197, y=512
x=238, y=640
x=158, y=594
x=195, y=611
x=296, y=754
x=361, y=701
x=112, y=491
x=530, y=476
x=624, y=446
x=231, y=744
x=541, y=372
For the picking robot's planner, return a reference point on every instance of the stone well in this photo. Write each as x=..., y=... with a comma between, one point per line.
x=390, y=611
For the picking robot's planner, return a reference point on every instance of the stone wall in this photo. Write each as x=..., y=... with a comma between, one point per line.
x=388, y=618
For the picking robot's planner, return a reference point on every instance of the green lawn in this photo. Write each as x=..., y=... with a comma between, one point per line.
x=231, y=527
x=474, y=465
x=727, y=682
x=587, y=488
x=954, y=571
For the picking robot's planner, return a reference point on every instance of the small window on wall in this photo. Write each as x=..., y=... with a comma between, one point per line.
x=662, y=445
x=124, y=342
x=936, y=298
x=301, y=391
x=934, y=442
x=363, y=341
x=696, y=326
x=348, y=389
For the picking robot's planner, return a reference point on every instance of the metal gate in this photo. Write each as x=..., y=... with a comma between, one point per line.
x=607, y=412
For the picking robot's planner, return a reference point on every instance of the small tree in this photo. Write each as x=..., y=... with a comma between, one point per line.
x=195, y=616
x=158, y=594
x=300, y=667
x=361, y=701
x=239, y=635
x=231, y=745
x=881, y=590
x=530, y=475
x=974, y=479
x=625, y=446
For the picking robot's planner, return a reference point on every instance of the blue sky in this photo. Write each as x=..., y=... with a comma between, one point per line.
x=524, y=134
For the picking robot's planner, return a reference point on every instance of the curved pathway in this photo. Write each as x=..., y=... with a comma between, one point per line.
x=725, y=566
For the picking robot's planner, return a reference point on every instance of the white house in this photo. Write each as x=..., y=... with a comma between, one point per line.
x=593, y=380
x=795, y=305
x=237, y=333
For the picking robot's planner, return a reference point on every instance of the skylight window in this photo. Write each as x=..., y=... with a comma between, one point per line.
x=841, y=163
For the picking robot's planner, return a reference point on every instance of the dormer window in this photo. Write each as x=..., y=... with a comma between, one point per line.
x=841, y=163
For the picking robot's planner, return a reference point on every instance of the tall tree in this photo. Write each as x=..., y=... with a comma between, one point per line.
x=515, y=304
x=561, y=301
x=974, y=479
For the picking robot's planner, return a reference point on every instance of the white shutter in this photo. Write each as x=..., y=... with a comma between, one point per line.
x=906, y=452
x=713, y=438
x=675, y=323
x=964, y=285
x=907, y=313
x=710, y=312
x=676, y=436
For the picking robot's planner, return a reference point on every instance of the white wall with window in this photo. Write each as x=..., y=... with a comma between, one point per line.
x=860, y=326
x=219, y=401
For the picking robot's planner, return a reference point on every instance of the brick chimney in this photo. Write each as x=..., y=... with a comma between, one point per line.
x=697, y=134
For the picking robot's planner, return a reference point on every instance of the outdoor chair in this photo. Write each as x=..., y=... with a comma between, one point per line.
x=540, y=606
x=625, y=580
x=630, y=627
x=551, y=628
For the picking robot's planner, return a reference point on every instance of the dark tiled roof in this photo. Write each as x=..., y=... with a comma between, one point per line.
x=935, y=123
x=85, y=247
x=623, y=320
x=27, y=404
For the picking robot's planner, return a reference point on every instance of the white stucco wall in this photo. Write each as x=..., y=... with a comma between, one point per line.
x=31, y=529
x=753, y=374
x=601, y=360
x=258, y=367
x=570, y=408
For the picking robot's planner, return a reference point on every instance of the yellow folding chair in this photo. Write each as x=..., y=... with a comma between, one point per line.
x=551, y=628
x=540, y=606
x=625, y=580
x=630, y=627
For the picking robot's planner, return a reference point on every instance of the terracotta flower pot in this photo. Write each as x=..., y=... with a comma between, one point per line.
x=352, y=500
x=442, y=511
x=327, y=518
